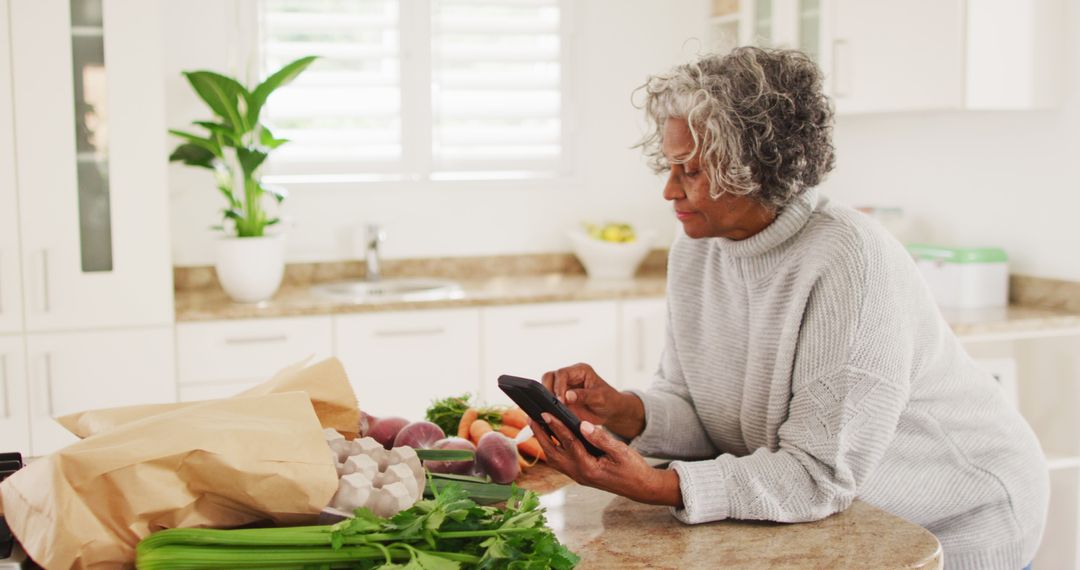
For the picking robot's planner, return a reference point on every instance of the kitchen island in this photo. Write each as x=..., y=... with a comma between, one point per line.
x=608, y=531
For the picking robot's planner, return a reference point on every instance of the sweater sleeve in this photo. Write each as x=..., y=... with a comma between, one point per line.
x=672, y=427
x=850, y=383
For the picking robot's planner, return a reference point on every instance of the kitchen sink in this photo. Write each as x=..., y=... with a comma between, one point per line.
x=403, y=289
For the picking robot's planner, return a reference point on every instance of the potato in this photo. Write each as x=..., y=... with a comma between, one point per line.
x=497, y=456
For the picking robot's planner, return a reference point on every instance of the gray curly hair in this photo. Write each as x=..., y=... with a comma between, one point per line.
x=759, y=117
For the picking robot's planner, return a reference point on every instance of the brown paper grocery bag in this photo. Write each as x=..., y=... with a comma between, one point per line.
x=325, y=382
x=220, y=463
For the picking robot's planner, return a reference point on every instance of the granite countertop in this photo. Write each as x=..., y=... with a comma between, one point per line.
x=210, y=304
x=1040, y=307
x=609, y=531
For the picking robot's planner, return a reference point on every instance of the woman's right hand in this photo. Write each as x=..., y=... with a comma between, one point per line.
x=594, y=400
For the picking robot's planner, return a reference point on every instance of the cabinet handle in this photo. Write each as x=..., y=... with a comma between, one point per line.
x=256, y=339
x=640, y=326
x=840, y=79
x=48, y=384
x=412, y=332
x=7, y=394
x=551, y=323
x=45, y=304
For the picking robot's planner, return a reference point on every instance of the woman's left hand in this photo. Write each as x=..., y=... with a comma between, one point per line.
x=621, y=470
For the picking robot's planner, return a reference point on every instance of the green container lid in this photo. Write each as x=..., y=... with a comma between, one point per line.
x=957, y=254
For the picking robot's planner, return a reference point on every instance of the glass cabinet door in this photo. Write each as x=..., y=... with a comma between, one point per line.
x=91, y=163
x=762, y=26
x=91, y=134
x=724, y=26
x=809, y=14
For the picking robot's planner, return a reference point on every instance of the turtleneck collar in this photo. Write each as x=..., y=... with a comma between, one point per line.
x=790, y=220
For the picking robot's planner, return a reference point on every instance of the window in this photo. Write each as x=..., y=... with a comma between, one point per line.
x=418, y=89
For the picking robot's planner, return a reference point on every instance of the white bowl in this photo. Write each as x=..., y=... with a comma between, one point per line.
x=610, y=260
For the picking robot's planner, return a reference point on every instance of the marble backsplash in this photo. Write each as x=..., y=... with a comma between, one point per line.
x=1042, y=293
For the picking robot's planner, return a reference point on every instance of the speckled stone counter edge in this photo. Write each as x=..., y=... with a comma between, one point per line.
x=305, y=274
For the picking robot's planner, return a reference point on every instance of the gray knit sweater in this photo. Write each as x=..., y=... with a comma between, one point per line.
x=808, y=365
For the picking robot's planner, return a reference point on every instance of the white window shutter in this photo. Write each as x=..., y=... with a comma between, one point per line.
x=493, y=83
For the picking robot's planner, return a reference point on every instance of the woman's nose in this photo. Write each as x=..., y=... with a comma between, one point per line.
x=672, y=189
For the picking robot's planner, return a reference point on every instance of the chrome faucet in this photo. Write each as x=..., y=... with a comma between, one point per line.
x=375, y=236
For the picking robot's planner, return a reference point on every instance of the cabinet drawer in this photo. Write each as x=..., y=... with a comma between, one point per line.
x=73, y=372
x=528, y=340
x=643, y=332
x=399, y=362
x=251, y=349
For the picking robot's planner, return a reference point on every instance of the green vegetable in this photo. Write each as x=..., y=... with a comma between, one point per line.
x=446, y=413
x=447, y=532
x=445, y=454
x=480, y=490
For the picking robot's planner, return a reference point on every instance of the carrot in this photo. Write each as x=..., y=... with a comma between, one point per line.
x=478, y=429
x=466, y=422
x=522, y=463
x=532, y=448
x=509, y=431
x=515, y=417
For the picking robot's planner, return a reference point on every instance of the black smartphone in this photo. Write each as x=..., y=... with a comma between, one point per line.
x=535, y=399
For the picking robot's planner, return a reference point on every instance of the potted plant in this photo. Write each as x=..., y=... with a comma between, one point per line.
x=249, y=262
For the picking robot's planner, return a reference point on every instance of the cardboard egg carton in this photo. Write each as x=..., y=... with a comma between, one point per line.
x=386, y=482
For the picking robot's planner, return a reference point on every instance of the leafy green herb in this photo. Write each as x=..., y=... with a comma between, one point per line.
x=446, y=413
x=449, y=531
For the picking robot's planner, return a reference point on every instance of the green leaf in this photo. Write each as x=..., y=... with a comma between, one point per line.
x=250, y=159
x=223, y=95
x=233, y=202
x=445, y=454
x=196, y=140
x=266, y=138
x=193, y=155
x=283, y=76
x=220, y=130
x=233, y=214
x=279, y=193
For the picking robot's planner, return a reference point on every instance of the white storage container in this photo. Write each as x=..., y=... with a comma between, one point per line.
x=964, y=278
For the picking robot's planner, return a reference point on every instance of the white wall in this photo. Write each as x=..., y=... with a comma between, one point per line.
x=1008, y=179
x=617, y=44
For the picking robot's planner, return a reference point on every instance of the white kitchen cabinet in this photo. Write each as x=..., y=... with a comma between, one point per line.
x=889, y=56
x=10, y=287
x=14, y=410
x=945, y=54
x=642, y=333
x=91, y=164
x=528, y=340
x=398, y=362
x=244, y=352
x=881, y=56
x=73, y=372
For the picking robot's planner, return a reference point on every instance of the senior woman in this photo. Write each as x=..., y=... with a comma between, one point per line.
x=806, y=364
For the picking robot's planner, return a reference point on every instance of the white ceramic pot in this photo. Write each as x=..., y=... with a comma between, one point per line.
x=250, y=268
x=608, y=260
